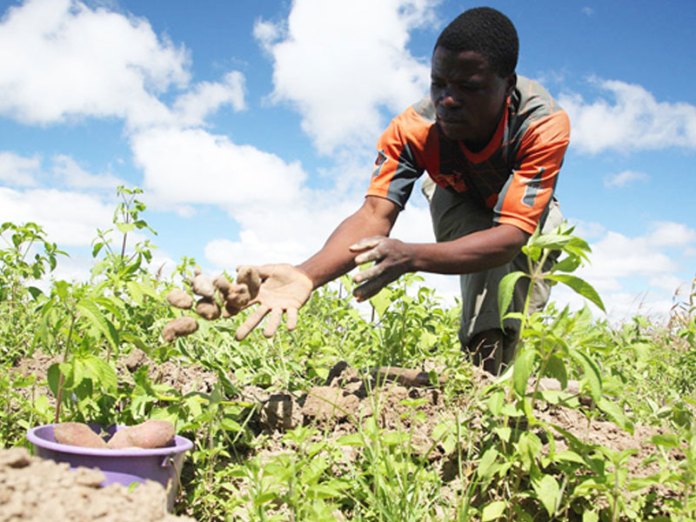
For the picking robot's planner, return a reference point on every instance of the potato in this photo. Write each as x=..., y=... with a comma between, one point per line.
x=149, y=434
x=222, y=284
x=249, y=276
x=121, y=440
x=230, y=309
x=180, y=299
x=203, y=285
x=238, y=296
x=207, y=308
x=77, y=434
x=179, y=327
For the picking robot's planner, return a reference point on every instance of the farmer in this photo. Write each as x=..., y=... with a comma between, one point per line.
x=492, y=144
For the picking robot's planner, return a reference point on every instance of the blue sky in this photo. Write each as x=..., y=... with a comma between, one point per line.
x=251, y=124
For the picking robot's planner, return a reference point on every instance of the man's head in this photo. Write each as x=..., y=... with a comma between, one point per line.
x=486, y=31
x=473, y=72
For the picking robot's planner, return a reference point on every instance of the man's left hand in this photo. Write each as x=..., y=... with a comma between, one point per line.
x=392, y=259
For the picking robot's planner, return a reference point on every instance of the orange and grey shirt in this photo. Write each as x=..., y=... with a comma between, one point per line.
x=514, y=175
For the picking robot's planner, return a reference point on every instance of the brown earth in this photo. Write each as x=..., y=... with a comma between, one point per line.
x=33, y=489
x=342, y=404
x=183, y=377
x=348, y=398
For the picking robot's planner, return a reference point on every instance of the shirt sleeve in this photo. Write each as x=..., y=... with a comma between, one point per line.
x=399, y=163
x=528, y=191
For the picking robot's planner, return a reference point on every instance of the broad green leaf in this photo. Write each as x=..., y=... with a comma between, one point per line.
x=496, y=402
x=486, y=466
x=568, y=456
x=591, y=373
x=567, y=264
x=90, y=311
x=615, y=413
x=136, y=341
x=231, y=425
x=35, y=292
x=555, y=367
x=590, y=516
x=53, y=377
x=493, y=511
x=666, y=441
x=548, y=492
x=552, y=241
x=381, y=301
x=135, y=292
x=352, y=439
x=506, y=290
x=522, y=369
x=504, y=433
x=580, y=286
x=124, y=228
x=101, y=372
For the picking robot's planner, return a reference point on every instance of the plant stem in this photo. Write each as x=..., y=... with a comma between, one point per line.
x=61, y=376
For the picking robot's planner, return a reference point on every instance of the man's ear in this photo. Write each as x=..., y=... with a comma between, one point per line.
x=511, y=83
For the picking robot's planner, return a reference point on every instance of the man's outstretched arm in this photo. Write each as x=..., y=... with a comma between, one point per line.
x=375, y=217
x=285, y=288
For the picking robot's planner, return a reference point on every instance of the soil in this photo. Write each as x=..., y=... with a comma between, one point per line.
x=183, y=377
x=33, y=489
x=395, y=399
x=348, y=398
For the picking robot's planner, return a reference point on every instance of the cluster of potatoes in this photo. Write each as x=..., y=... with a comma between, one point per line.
x=150, y=434
x=218, y=297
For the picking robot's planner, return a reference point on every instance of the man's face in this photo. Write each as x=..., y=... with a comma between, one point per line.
x=468, y=95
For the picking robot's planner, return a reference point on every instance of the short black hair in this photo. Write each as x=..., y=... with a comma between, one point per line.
x=486, y=31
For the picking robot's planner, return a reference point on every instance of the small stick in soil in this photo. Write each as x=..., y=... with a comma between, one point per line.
x=405, y=376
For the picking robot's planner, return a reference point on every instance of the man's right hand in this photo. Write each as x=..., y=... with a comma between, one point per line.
x=284, y=289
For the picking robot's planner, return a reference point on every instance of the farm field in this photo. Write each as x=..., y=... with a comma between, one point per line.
x=592, y=423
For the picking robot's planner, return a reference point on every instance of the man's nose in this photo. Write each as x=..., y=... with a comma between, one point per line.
x=447, y=99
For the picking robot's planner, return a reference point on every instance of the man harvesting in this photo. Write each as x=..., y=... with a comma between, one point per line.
x=492, y=144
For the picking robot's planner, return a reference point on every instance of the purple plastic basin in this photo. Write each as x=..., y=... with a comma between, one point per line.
x=120, y=466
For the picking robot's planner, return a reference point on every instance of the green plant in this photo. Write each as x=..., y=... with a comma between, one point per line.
x=27, y=257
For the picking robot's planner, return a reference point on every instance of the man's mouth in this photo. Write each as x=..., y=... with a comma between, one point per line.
x=451, y=122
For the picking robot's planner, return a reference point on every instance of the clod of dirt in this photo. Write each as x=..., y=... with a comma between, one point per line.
x=405, y=376
x=180, y=299
x=328, y=403
x=202, y=285
x=280, y=412
x=135, y=360
x=33, y=489
x=77, y=434
x=150, y=434
x=179, y=327
x=249, y=276
x=207, y=308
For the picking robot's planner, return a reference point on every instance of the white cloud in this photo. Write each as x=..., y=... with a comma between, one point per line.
x=666, y=233
x=629, y=118
x=339, y=63
x=206, y=98
x=195, y=167
x=624, y=178
x=18, y=170
x=61, y=59
x=636, y=274
x=69, y=172
x=69, y=218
